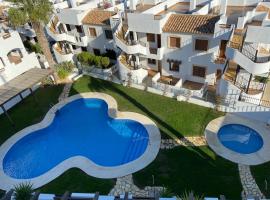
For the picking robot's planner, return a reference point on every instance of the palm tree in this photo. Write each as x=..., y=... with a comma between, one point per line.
x=37, y=12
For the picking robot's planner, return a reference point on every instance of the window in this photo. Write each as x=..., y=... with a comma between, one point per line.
x=108, y=34
x=68, y=27
x=199, y=71
x=150, y=37
x=92, y=32
x=201, y=45
x=74, y=47
x=174, y=42
x=151, y=61
x=79, y=29
x=174, y=65
x=84, y=49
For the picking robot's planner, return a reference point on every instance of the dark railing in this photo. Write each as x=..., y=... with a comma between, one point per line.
x=250, y=52
x=153, y=50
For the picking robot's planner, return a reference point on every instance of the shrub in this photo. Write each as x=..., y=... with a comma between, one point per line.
x=85, y=58
x=97, y=61
x=105, y=62
x=33, y=47
x=64, y=69
x=261, y=79
x=23, y=191
x=189, y=195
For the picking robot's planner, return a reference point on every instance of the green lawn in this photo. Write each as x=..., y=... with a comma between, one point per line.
x=75, y=180
x=180, y=169
x=261, y=173
x=172, y=117
x=198, y=169
x=28, y=112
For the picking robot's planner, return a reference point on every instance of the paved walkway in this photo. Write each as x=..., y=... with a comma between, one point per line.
x=126, y=184
x=248, y=182
x=65, y=91
x=186, y=141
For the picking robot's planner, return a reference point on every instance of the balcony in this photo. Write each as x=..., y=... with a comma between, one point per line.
x=62, y=54
x=241, y=79
x=60, y=36
x=248, y=58
x=130, y=47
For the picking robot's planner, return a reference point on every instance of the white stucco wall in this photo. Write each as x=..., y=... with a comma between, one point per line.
x=189, y=57
x=11, y=70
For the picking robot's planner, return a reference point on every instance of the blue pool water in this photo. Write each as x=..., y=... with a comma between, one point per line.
x=80, y=128
x=240, y=138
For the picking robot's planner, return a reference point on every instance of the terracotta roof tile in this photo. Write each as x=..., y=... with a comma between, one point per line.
x=198, y=24
x=98, y=17
x=262, y=8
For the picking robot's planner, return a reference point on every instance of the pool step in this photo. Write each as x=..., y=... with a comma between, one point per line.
x=136, y=147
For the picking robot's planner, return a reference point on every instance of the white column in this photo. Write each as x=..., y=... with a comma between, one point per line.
x=223, y=6
x=135, y=36
x=132, y=4
x=192, y=5
x=137, y=60
x=73, y=3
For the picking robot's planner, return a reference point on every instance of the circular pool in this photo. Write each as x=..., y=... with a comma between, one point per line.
x=240, y=138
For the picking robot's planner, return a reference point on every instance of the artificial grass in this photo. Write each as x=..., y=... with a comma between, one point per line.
x=75, y=180
x=174, y=118
x=196, y=169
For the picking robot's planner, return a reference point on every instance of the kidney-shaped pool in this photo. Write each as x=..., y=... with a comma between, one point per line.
x=82, y=127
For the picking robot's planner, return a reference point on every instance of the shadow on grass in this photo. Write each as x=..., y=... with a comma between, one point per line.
x=97, y=85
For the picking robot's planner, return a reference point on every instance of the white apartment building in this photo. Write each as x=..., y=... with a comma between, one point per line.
x=84, y=26
x=14, y=59
x=188, y=44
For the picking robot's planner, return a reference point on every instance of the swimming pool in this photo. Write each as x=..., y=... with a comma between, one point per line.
x=240, y=138
x=84, y=131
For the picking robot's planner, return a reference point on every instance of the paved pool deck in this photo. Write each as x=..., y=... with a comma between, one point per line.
x=80, y=162
x=256, y=158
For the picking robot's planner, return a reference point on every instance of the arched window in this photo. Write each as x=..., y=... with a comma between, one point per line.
x=15, y=56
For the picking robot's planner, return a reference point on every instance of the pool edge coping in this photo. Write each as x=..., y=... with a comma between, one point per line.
x=256, y=158
x=81, y=162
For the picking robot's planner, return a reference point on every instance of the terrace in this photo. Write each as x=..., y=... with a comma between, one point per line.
x=168, y=80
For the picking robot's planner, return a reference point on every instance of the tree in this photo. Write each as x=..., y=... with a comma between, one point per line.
x=37, y=12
